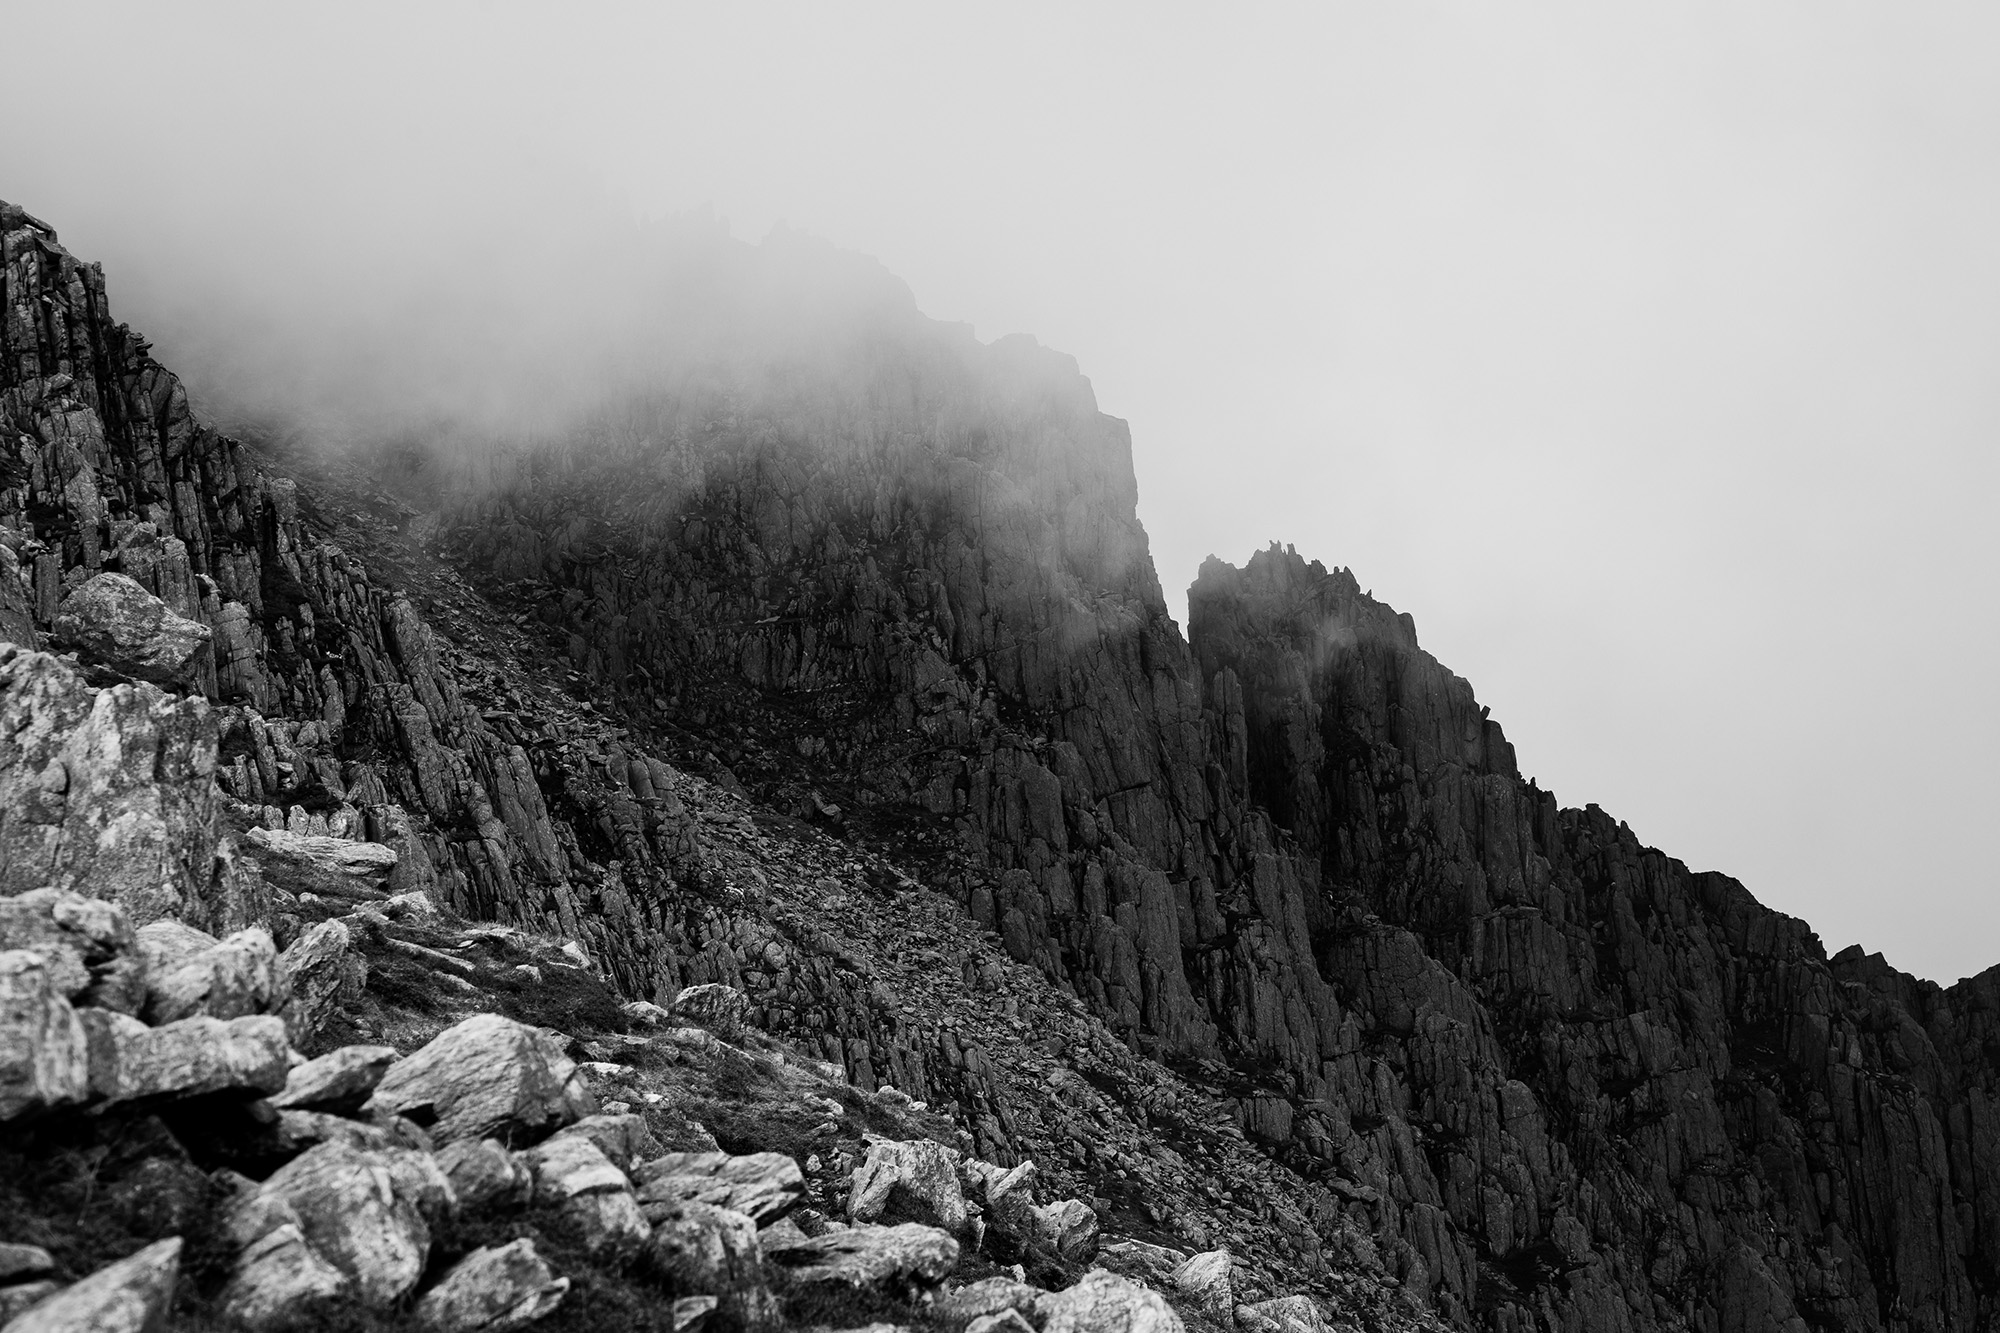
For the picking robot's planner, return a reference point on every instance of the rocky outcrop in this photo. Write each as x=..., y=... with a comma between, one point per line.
x=826, y=651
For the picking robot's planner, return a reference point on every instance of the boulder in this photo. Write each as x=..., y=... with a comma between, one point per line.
x=277, y=1277
x=906, y=1255
x=485, y=1175
x=487, y=1076
x=130, y=1062
x=113, y=621
x=314, y=863
x=339, y=1081
x=18, y=1263
x=762, y=1185
x=492, y=1289
x=1103, y=1302
x=223, y=979
x=367, y=1213
x=24, y=1297
x=645, y=1013
x=986, y=1298
x=708, y=1251
x=130, y=1296
x=1067, y=1228
x=44, y=1047
x=1282, y=1314
x=915, y=1181
x=624, y=1139
x=88, y=945
x=721, y=1009
x=321, y=966
x=1204, y=1279
x=570, y=1173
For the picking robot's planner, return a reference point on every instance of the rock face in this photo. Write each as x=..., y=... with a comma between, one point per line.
x=1546, y=1077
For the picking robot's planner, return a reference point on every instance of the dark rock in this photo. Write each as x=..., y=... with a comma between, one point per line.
x=339, y=1081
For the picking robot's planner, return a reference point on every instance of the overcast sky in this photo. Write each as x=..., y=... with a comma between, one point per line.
x=1645, y=354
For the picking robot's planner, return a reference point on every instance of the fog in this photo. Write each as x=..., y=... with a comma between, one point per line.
x=1643, y=353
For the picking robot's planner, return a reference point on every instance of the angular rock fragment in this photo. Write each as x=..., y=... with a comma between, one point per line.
x=915, y=1181
x=18, y=1263
x=88, y=944
x=710, y=1251
x=1006, y=1321
x=485, y=1175
x=220, y=978
x=1103, y=1302
x=1283, y=1314
x=721, y=1009
x=623, y=1139
x=1067, y=1228
x=130, y=1296
x=23, y=1297
x=44, y=1049
x=486, y=1076
x=908, y=1254
x=277, y=1277
x=366, y=1213
x=761, y=1185
x=1204, y=1279
x=130, y=1062
x=338, y=1081
x=114, y=621
x=492, y=1289
x=985, y=1298
x=320, y=966
x=313, y=863
x=570, y=1172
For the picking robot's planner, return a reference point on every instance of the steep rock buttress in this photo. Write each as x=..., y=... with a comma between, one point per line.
x=900, y=592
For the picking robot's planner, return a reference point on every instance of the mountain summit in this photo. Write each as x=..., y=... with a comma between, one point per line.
x=798, y=753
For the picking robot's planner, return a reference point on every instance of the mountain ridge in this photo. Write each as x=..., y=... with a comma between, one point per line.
x=1559, y=1079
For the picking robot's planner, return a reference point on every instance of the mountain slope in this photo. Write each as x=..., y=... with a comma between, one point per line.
x=891, y=588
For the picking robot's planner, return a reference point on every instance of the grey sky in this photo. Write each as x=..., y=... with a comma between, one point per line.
x=1645, y=354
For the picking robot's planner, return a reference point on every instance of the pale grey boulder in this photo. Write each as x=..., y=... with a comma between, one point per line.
x=130, y=1296
x=113, y=621
x=624, y=1139
x=708, y=1251
x=721, y=1009
x=367, y=1213
x=915, y=1181
x=44, y=1047
x=763, y=1185
x=570, y=1173
x=986, y=1298
x=1103, y=1302
x=1283, y=1314
x=25, y=1296
x=487, y=1076
x=315, y=863
x=18, y=1263
x=130, y=1062
x=907, y=1254
x=89, y=945
x=339, y=1081
x=321, y=967
x=485, y=1175
x=491, y=1290
x=189, y=973
x=1204, y=1279
x=277, y=1276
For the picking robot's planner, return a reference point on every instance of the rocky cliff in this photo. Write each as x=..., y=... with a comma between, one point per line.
x=847, y=683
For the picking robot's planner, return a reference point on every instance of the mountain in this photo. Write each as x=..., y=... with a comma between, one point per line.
x=833, y=669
